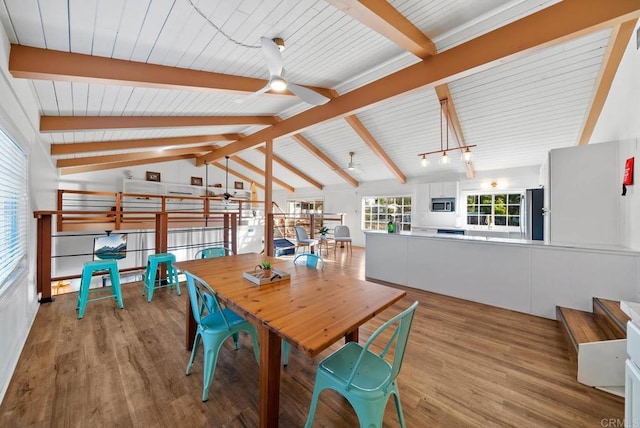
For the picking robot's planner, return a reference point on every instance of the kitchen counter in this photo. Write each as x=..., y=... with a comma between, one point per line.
x=518, y=274
x=511, y=241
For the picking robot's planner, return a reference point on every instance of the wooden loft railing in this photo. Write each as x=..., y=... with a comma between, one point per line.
x=80, y=210
x=161, y=223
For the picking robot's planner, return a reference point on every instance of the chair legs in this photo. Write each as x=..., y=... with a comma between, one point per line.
x=370, y=412
x=212, y=345
x=85, y=283
x=150, y=275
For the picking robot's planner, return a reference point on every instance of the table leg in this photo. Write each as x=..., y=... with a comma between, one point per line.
x=351, y=336
x=190, y=327
x=270, y=355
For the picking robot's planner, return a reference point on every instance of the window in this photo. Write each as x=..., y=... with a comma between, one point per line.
x=500, y=209
x=377, y=211
x=13, y=214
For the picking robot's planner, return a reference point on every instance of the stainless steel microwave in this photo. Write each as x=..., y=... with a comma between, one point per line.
x=443, y=204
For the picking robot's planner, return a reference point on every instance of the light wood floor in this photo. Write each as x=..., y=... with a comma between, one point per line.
x=467, y=365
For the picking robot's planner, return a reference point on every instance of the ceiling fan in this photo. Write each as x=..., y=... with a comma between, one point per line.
x=352, y=166
x=271, y=49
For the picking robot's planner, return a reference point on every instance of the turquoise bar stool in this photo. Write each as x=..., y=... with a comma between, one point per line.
x=87, y=272
x=153, y=262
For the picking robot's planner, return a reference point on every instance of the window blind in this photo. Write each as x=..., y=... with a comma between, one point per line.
x=13, y=211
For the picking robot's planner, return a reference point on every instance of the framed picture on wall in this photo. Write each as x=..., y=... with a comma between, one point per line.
x=238, y=185
x=153, y=176
x=196, y=181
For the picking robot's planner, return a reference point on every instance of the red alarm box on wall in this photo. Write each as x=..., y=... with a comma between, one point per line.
x=628, y=172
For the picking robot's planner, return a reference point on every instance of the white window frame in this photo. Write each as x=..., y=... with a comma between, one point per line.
x=493, y=226
x=14, y=174
x=383, y=218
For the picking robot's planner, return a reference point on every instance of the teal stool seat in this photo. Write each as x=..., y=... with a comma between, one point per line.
x=87, y=272
x=153, y=262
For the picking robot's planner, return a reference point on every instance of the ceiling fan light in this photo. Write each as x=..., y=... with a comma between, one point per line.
x=445, y=159
x=279, y=43
x=466, y=155
x=424, y=161
x=278, y=84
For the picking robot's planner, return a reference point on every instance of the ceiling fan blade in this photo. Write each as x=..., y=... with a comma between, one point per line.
x=308, y=95
x=272, y=55
x=244, y=99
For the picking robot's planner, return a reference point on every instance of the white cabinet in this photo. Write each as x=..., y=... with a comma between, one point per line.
x=423, y=216
x=158, y=188
x=632, y=376
x=447, y=189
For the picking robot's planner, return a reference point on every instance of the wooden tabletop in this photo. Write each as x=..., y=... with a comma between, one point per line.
x=312, y=310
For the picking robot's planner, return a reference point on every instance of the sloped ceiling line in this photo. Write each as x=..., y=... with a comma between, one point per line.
x=618, y=41
x=555, y=24
x=103, y=146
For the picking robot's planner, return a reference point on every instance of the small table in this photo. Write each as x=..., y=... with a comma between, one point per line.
x=323, y=241
x=282, y=310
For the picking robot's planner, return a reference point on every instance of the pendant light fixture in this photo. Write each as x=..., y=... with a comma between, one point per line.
x=226, y=195
x=444, y=143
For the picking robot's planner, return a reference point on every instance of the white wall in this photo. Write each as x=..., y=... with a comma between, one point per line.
x=19, y=304
x=619, y=118
x=179, y=172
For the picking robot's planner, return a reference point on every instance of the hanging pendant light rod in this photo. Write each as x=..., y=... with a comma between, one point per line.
x=462, y=149
x=444, y=111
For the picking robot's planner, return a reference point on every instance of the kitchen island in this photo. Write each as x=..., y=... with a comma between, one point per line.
x=525, y=276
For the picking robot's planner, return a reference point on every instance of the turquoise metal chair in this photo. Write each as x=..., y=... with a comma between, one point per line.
x=364, y=378
x=213, y=252
x=215, y=325
x=310, y=260
x=153, y=262
x=88, y=270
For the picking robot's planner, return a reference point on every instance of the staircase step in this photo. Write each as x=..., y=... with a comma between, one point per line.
x=581, y=327
x=610, y=316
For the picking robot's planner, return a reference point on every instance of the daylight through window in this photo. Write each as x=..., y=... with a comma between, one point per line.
x=13, y=200
x=377, y=211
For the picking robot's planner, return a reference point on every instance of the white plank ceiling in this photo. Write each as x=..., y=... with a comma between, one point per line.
x=514, y=112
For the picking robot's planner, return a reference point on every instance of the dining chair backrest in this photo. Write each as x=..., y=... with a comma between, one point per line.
x=213, y=252
x=301, y=234
x=341, y=231
x=401, y=324
x=310, y=260
x=203, y=298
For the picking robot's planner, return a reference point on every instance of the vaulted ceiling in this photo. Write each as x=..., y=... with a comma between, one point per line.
x=118, y=80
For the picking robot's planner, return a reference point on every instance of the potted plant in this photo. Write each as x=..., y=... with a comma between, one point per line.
x=323, y=231
x=266, y=269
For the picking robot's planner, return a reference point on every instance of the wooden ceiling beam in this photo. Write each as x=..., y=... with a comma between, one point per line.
x=371, y=13
x=382, y=17
x=324, y=158
x=125, y=164
x=442, y=91
x=292, y=168
x=261, y=172
x=366, y=136
x=83, y=123
x=43, y=64
x=558, y=23
x=373, y=144
x=104, y=146
x=618, y=41
x=90, y=160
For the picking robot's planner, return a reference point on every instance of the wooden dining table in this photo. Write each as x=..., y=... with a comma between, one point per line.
x=311, y=310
